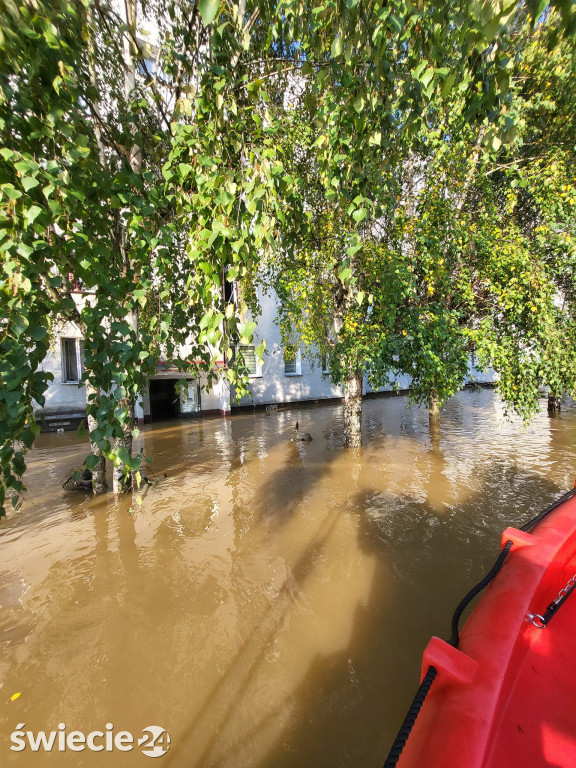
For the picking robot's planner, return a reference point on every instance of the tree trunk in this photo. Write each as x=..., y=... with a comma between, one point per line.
x=99, y=484
x=353, y=410
x=434, y=431
x=123, y=476
x=433, y=409
x=553, y=403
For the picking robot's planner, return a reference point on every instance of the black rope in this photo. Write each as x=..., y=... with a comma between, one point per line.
x=467, y=599
x=416, y=706
x=410, y=719
x=541, y=515
x=425, y=685
x=465, y=602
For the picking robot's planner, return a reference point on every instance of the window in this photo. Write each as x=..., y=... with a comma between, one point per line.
x=191, y=394
x=324, y=364
x=250, y=360
x=71, y=360
x=230, y=290
x=146, y=67
x=292, y=361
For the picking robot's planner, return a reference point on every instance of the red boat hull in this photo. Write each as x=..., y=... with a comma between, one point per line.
x=507, y=696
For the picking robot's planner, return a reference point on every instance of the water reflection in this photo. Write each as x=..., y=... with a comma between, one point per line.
x=268, y=602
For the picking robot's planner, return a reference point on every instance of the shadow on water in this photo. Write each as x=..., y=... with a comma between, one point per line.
x=355, y=699
x=272, y=505
x=229, y=692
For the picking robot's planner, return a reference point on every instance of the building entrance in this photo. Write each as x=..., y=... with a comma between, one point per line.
x=166, y=402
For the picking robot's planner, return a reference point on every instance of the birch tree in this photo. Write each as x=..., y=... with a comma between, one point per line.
x=380, y=107
x=150, y=188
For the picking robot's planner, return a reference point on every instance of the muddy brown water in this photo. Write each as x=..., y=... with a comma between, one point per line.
x=269, y=601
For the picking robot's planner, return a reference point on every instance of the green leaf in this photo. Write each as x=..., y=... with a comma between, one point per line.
x=353, y=249
x=29, y=182
x=447, y=85
x=208, y=10
x=491, y=28
x=37, y=332
x=32, y=213
x=344, y=273
x=427, y=77
x=396, y=23
x=185, y=169
x=336, y=47
x=246, y=331
x=10, y=191
x=28, y=439
x=19, y=324
x=417, y=71
x=358, y=103
x=92, y=461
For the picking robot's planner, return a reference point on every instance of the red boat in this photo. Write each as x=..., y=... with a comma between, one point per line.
x=505, y=697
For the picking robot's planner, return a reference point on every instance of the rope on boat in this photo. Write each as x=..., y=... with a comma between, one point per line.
x=541, y=515
x=429, y=677
x=467, y=599
x=410, y=718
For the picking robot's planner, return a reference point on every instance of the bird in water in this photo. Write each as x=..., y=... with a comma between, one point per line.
x=300, y=437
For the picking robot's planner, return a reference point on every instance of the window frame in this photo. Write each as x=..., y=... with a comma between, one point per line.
x=258, y=372
x=297, y=363
x=79, y=353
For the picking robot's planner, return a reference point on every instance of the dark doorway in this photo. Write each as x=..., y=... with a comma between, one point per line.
x=164, y=400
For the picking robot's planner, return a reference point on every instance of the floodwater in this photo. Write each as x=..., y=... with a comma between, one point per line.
x=267, y=602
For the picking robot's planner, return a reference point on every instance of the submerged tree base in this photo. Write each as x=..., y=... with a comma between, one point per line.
x=434, y=410
x=353, y=411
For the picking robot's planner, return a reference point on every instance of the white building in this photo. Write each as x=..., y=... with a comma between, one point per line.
x=276, y=381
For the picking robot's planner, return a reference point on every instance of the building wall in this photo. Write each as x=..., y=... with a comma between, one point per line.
x=62, y=398
x=480, y=377
x=215, y=401
x=270, y=385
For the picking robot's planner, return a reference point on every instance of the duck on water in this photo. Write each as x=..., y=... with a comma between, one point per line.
x=303, y=437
